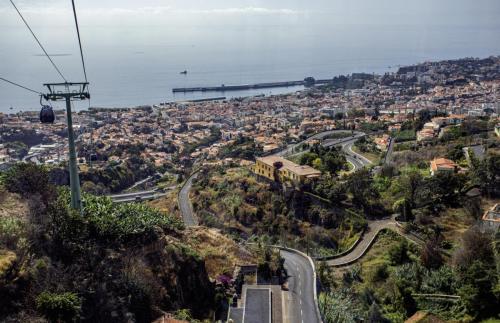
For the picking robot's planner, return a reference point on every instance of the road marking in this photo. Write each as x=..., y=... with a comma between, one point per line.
x=284, y=306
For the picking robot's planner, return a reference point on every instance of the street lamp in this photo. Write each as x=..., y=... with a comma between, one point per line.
x=70, y=92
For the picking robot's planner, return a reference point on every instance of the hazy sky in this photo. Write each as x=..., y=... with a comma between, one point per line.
x=199, y=12
x=134, y=49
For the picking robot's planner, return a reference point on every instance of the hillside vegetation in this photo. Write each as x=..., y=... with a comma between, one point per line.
x=233, y=200
x=108, y=264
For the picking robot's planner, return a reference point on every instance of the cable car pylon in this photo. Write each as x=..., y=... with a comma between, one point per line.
x=70, y=92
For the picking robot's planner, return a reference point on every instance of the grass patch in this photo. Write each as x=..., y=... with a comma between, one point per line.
x=454, y=222
x=378, y=252
x=371, y=156
x=221, y=254
x=167, y=204
x=7, y=258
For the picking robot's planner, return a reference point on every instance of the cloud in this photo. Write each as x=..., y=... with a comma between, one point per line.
x=62, y=15
x=158, y=10
x=246, y=11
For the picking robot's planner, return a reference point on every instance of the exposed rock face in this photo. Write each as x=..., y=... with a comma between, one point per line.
x=183, y=278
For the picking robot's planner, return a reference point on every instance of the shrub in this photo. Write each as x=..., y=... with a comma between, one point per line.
x=183, y=314
x=339, y=306
x=104, y=221
x=380, y=273
x=476, y=246
x=11, y=229
x=441, y=281
x=430, y=256
x=27, y=179
x=398, y=254
x=64, y=307
x=405, y=135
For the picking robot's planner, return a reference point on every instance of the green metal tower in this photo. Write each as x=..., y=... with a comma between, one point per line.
x=70, y=92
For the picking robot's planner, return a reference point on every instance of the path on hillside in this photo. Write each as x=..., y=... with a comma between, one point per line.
x=366, y=241
x=185, y=205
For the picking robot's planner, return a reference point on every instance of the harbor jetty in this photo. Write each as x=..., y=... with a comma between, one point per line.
x=308, y=81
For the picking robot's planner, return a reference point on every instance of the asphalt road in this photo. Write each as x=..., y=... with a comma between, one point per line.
x=390, y=149
x=257, y=306
x=300, y=297
x=290, y=150
x=140, y=196
x=185, y=205
x=374, y=227
x=356, y=159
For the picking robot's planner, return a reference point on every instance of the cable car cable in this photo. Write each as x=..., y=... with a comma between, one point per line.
x=40, y=44
x=21, y=86
x=79, y=39
x=80, y=45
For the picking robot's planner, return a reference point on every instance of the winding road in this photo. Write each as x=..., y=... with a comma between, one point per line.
x=300, y=301
x=301, y=295
x=141, y=196
x=185, y=206
x=364, y=244
x=292, y=149
x=357, y=160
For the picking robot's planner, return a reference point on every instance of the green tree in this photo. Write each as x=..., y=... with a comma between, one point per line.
x=374, y=314
x=28, y=179
x=402, y=206
x=485, y=174
x=398, y=254
x=63, y=307
x=447, y=186
x=477, y=272
x=359, y=184
x=413, y=188
x=333, y=162
x=308, y=158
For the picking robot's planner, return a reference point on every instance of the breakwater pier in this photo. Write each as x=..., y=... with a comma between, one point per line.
x=309, y=81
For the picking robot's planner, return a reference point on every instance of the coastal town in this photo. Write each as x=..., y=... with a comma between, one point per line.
x=450, y=91
x=370, y=191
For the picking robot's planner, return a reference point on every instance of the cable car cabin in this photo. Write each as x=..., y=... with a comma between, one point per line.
x=47, y=114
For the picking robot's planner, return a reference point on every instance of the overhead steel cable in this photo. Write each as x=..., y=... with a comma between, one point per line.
x=21, y=86
x=79, y=39
x=40, y=44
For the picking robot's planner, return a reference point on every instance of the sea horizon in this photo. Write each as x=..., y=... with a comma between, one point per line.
x=130, y=67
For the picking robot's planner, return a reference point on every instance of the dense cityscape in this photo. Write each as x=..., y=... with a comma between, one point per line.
x=451, y=90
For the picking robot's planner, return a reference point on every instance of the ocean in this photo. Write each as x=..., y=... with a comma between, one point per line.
x=130, y=66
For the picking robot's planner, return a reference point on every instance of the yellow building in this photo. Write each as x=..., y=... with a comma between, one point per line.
x=286, y=170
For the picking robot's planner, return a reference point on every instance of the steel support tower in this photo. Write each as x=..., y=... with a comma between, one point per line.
x=70, y=92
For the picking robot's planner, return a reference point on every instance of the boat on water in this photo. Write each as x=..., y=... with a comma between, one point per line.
x=184, y=72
